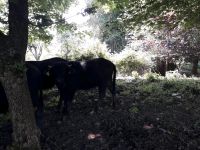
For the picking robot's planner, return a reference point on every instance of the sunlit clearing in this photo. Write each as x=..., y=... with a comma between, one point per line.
x=55, y=49
x=73, y=15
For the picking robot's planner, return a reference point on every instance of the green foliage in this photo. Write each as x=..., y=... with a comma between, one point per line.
x=134, y=109
x=47, y=14
x=160, y=114
x=112, y=30
x=81, y=56
x=150, y=88
x=151, y=77
x=46, y=5
x=39, y=34
x=3, y=16
x=155, y=114
x=43, y=15
x=135, y=74
x=157, y=13
x=129, y=64
x=77, y=55
x=168, y=87
x=80, y=46
x=86, y=54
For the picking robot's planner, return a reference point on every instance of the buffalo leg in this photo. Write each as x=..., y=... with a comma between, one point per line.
x=102, y=93
x=60, y=102
x=112, y=91
x=68, y=97
x=40, y=110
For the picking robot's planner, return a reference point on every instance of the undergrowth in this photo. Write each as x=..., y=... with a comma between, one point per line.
x=152, y=113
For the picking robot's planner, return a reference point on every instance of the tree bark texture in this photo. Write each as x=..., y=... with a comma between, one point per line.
x=161, y=66
x=25, y=132
x=195, y=66
x=13, y=77
x=18, y=27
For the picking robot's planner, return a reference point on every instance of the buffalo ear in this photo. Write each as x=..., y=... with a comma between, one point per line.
x=48, y=70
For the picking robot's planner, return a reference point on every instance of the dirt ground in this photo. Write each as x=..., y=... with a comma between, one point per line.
x=142, y=120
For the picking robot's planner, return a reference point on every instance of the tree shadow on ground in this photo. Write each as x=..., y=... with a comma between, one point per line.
x=149, y=115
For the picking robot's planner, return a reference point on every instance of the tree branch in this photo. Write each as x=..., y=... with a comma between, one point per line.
x=18, y=26
x=3, y=21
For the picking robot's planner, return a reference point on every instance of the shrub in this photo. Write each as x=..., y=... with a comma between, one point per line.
x=128, y=65
x=94, y=50
x=128, y=62
x=151, y=77
x=135, y=74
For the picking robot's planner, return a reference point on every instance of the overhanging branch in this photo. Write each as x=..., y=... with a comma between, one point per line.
x=3, y=21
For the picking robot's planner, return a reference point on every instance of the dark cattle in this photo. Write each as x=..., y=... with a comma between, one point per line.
x=3, y=100
x=75, y=75
x=47, y=81
x=34, y=83
x=34, y=79
x=38, y=79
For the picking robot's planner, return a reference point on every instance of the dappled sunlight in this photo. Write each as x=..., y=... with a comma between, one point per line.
x=94, y=136
x=73, y=14
x=148, y=126
x=141, y=57
x=134, y=53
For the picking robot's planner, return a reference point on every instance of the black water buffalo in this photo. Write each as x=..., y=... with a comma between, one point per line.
x=82, y=75
x=37, y=79
x=47, y=81
x=34, y=83
x=34, y=79
x=3, y=100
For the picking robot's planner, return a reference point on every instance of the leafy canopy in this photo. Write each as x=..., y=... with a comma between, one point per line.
x=44, y=15
x=110, y=29
x=157, y=13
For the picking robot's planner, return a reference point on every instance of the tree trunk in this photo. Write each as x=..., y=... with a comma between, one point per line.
x=13, y=77
x=25, y=132
x=195, y=62
x=161, y=66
